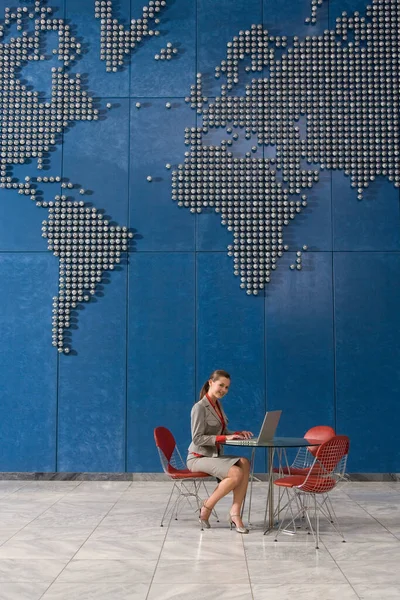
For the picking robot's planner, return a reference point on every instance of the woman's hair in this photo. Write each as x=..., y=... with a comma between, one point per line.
x=217, y=374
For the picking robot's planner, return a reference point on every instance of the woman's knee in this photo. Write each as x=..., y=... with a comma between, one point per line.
x=236, y=474
x=245, y=464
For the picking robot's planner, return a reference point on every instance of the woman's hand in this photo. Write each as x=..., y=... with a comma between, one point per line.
x=246, y=434
x=242, y=435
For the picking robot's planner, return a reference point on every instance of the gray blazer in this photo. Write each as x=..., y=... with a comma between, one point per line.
x=205, y=428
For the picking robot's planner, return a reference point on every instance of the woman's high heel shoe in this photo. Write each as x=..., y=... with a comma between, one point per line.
x=233, y=524
x=205, y=524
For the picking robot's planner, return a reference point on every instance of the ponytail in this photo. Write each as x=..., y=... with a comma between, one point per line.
x=204, y=389
x=217, y=374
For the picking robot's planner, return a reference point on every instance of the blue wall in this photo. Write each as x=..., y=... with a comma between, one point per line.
x=322, y=344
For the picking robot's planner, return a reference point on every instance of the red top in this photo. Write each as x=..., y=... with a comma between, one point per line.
x=219, y=438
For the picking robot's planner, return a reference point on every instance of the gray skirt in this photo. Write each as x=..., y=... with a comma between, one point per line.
x=217, y=467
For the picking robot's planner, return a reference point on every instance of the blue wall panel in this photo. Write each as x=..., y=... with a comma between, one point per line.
x=161, y=353
x=28, y=363
x=313, y=226
x=108, y=140
x=337, y=7
x=92, y=386
x=21, y=222
x=299, y=344
x=87, y=30
x=157, y=139
x=211, y=235
x=230, y=336
x=155, y=78
x=20, y=218
x=367, y=324
x=372, y=223
x=211, y=41
x=288, y=18
x=320, y=343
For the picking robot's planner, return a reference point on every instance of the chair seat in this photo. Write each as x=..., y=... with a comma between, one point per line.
x=316, y=469
x=290, y=481
x=185, y=473
x=314, y=485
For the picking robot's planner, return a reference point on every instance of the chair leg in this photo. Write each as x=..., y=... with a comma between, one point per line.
x=330, y=515
x=306, y=509
x=179, y=500
x=282, y=526
x=186, y=493
x=301, y=508
x=324, y=505
x=168, y=503
x=186, y=489
x=278, y=509
x=197, y=489
x=316, y=514
x=307, y=502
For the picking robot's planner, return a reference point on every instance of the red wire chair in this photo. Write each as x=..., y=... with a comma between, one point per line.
x=306, y=455
x=310, y=491
x=302, y=462
x=187, y=483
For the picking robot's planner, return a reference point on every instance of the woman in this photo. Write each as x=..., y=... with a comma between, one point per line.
x=209, y=430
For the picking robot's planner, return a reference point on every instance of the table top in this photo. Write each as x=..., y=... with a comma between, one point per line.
x=278, y=442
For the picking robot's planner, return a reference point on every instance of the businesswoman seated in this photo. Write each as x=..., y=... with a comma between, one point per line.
x=209, y=429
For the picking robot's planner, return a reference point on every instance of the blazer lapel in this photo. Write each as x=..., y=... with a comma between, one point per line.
x=212, y=410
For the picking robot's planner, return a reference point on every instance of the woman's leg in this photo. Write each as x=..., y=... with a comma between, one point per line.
x=239, y=491
x=236, y=480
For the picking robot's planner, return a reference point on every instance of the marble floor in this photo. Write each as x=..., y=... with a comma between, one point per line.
x=67, y=540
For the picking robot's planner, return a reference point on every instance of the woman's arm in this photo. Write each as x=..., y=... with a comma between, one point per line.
x=237, y=434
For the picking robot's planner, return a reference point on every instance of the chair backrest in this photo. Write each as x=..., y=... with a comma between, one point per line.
x=171, y=459
x=329, y=465
x=322, y=433
x=331, y=452
x=165, y=441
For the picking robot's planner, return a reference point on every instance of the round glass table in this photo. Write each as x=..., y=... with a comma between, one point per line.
x=271, y=445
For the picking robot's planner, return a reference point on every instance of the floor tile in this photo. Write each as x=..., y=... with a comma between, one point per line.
x=377, y=592
x=26, y=570
x=131, y=521
x=9, y=487
x=41, y=547
x=22, y=591
x=363, y=552
x=303, y=591
x=259, y=549
x=376, y=572
x=94, y=487
x=273, y=572
x=203, y=591
x=133, y=546
x=108, y=571
x=199, y=571
x=202, y=550
x=97, y=591
x=8, y=531
x=102, y=540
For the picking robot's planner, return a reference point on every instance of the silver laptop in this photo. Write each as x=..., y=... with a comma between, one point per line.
x=267, y=430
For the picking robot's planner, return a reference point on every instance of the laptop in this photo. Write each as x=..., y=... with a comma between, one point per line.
x=267, y=430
